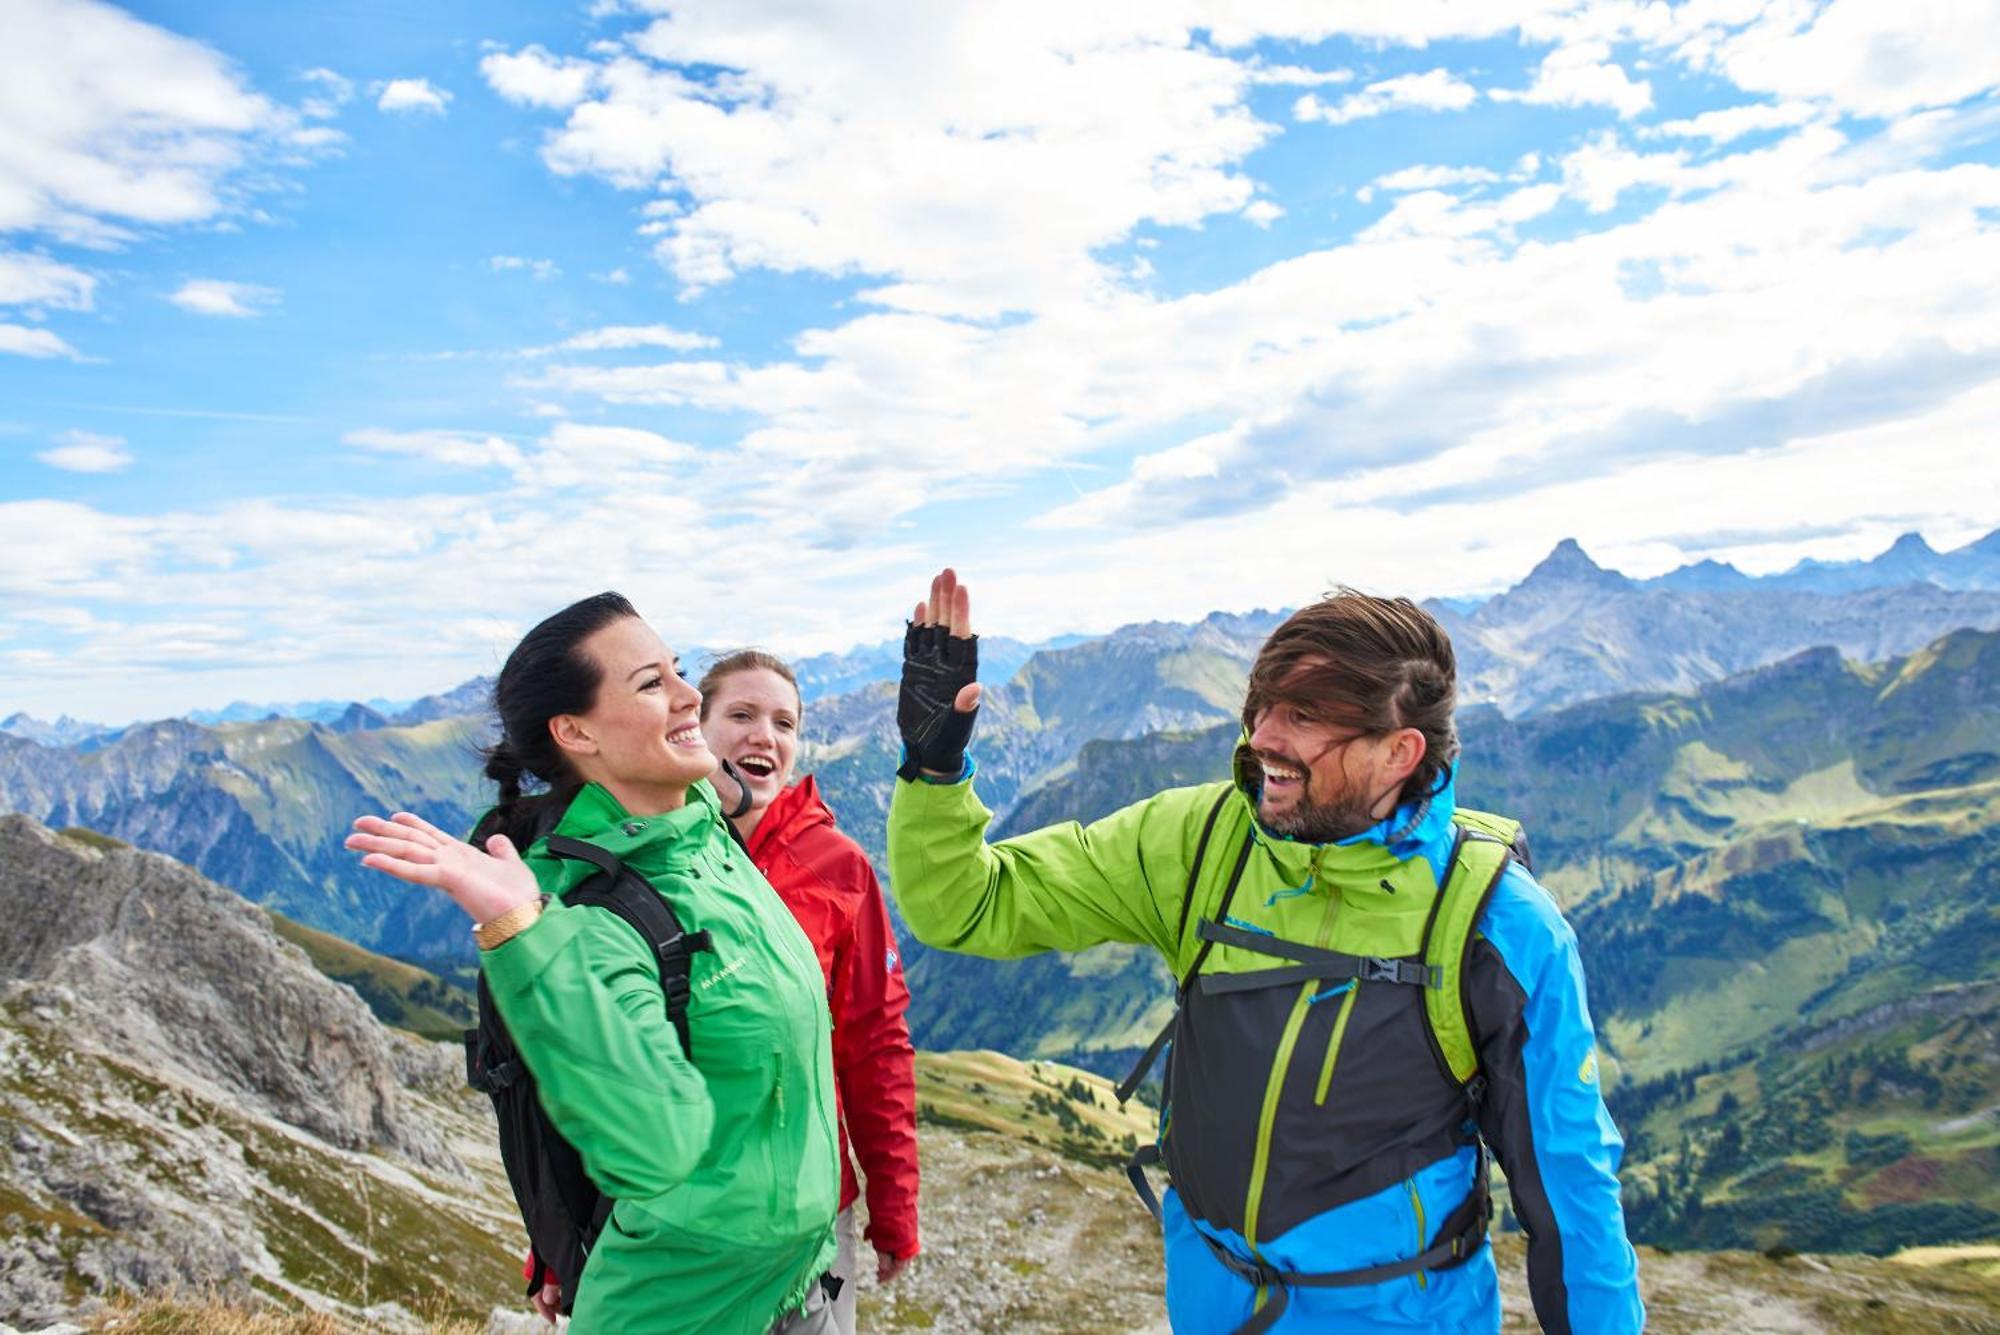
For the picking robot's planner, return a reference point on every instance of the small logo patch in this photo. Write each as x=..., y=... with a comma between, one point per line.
x=722, y=973
x=1587, y=1073
x=891, y=962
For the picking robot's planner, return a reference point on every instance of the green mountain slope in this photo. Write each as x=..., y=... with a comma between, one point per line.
x=401, y=995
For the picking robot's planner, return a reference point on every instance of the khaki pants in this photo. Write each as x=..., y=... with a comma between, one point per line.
x=815, y=1317
x=846, y=1267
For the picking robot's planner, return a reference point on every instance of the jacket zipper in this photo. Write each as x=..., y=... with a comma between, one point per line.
x=1281, y=1063
x=1417, y=1207
x=1333, y=1043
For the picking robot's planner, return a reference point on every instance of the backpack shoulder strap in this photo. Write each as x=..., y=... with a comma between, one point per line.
x=632, y=898
x=1485, y=844
x=1194, y=867
x=1130, y=1084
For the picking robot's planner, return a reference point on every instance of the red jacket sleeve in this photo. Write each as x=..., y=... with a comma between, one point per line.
x=876, y=1067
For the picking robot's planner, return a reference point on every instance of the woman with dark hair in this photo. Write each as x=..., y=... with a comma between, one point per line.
x=722, y=1165
x=751, y=712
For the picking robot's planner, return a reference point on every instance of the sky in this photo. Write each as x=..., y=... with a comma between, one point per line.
x=341, y=342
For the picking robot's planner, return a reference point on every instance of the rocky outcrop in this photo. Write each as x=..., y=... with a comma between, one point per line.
x=153, y=961
x=185, y=1102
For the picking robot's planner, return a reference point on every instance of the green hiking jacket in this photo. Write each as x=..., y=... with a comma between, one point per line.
x=724, y=1169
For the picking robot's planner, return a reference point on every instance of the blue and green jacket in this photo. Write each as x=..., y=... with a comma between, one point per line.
x=1314, y=1128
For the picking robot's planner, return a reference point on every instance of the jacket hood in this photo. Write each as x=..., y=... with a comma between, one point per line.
x=792, y=812
x=1420, y=828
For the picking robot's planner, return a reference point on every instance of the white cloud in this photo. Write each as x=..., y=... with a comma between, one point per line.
x=413, y=95
x=1298, y=76
x=1433, y=90
x=85, y=452
x=1262, y=212
x=107, y=121
x=334, y=91
x=925, y=152
x=540, y=270
x=1728, y=124
x=1866, y=57
x=456, y=449
x=1583, y=75
x=622, y=336
x=213, y=296
x=1433, y=178
x=38, y=281
x=23, y=341
x=534, y=77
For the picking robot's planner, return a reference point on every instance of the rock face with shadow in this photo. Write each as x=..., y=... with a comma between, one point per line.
x=185, y=1102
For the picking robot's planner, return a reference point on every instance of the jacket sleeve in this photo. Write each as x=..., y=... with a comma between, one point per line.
x=581, y=998
x=1544, y=1113
x=875, y=1064
x=1064, y=887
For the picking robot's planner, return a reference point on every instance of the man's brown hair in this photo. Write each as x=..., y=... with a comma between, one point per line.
x=1377, y=664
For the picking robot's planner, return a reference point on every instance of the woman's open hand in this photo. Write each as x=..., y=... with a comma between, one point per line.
x=412, y=849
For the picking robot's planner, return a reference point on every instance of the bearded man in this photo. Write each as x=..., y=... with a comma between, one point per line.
x=1375, y=994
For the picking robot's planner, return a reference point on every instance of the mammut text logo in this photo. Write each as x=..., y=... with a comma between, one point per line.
x=720, y=974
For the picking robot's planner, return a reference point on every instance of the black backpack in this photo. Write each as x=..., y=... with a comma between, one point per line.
x=562, y=1208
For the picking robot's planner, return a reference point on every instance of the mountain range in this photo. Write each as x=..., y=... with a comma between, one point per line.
x=262, y=805
x=1910, y=560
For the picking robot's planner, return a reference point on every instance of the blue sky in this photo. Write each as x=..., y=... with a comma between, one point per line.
x=338, y=342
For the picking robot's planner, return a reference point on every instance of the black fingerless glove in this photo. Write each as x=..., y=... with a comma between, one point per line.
x=937, y=665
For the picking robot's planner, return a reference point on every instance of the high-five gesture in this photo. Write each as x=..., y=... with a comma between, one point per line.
x=940, y=696
x=412, y=849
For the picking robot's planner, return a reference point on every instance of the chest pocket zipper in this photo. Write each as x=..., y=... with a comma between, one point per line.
x=1353, y=990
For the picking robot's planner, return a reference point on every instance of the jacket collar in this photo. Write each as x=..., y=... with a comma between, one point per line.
x=792, y=812
x=645, y=842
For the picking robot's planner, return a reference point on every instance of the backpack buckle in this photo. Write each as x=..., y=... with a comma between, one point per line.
x=1377, y=970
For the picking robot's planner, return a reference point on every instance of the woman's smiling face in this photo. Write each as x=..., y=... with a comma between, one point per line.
x=642, y=737
x=751, y=719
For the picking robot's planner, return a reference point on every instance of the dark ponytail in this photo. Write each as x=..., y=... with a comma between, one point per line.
x=547, y=674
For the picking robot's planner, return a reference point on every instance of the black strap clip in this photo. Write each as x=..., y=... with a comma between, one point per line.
x=1377, y=970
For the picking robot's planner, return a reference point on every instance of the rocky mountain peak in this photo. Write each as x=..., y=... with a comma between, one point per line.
x=1910, y=544
x=1568, y=563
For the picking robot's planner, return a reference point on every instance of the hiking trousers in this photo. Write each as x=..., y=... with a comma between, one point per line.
x=812, y=1317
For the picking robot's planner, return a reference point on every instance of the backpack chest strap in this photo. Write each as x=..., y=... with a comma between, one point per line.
x=1311, y=963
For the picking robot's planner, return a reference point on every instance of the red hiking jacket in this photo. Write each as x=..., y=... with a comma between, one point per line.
x=827, y=882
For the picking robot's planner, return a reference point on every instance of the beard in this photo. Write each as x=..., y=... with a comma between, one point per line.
x=1322, y=822
x=1347, y=812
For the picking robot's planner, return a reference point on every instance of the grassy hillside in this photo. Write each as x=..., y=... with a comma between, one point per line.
x=402, y=995
x=1060, y=1107
x=1853, y=1134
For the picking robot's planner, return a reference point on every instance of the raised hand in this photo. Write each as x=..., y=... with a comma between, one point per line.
x=939, y=700
x=412, y=849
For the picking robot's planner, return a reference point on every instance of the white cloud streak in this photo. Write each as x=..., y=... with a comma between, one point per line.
x=86, y=452
x=1433, y=90
x=213, y=296
x=412, y=95
x=24, y=341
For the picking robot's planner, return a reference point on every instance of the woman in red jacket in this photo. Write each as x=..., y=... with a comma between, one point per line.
x=750, y=714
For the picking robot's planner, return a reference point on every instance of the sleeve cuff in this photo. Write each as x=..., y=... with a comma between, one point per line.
x=965, y=774
x=516, y=962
